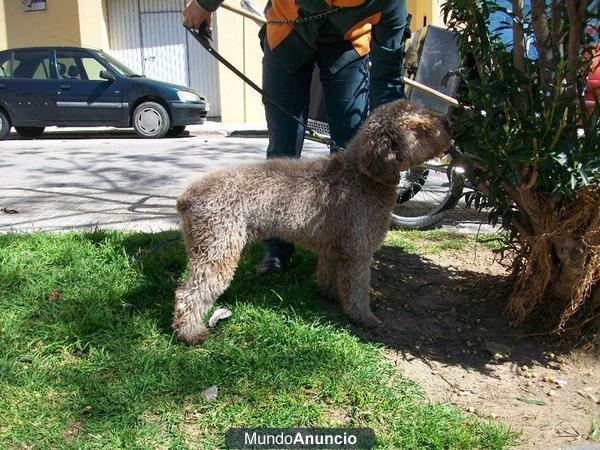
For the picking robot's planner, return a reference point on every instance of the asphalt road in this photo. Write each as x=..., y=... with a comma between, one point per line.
x=112, y=179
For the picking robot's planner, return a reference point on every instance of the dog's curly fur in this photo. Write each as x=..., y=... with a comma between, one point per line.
x=338, y=208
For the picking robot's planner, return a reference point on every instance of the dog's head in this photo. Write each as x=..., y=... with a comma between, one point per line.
x=397, y=136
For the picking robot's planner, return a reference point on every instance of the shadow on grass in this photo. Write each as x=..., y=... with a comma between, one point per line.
x=427, y=309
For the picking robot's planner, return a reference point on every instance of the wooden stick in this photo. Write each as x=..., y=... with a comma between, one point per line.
x=431, y=91
x=261, y=21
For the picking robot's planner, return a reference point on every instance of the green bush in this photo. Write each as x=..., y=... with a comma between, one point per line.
x=531, y=150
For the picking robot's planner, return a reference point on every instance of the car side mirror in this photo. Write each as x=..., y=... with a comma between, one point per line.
x=106, y=75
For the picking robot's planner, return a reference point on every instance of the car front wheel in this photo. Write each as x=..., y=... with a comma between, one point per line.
x=151, y=120
x=4, y=125
x=30, y=132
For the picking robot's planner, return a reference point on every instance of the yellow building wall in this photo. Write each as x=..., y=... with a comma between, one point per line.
x=50, y=27
x=64, y=22
x=254, y=109
x=239, y=43
x=3, y=44
x=93, y=24
x=421, y=11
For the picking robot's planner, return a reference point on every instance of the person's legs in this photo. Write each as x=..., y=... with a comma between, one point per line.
x=291, y=91
x=286, y=136
x=347, y=99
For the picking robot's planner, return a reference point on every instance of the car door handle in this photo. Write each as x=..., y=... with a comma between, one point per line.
x=2, y=86
x=65, y=87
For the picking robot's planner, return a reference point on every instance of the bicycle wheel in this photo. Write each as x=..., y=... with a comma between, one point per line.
x=427, y=193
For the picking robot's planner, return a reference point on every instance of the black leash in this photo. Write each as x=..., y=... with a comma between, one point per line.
x=203, y=36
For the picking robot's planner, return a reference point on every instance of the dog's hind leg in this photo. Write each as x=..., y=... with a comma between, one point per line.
x=353, y=281
x=195, y=298
x=213, y=257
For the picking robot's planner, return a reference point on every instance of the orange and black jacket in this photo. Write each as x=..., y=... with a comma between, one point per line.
x=358, y=28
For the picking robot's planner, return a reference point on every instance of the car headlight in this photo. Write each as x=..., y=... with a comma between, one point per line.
x=187, y=96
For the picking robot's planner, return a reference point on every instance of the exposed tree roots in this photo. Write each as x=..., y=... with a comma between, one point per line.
x=558, y=268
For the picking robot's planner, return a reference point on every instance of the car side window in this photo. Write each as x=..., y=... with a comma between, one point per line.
x=78, y=66
x=43, y=70
x=6, y=65
x=67, y=67
x=32, y=64
x=92, y=68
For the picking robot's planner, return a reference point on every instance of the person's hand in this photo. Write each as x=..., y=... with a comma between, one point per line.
x=194, y=15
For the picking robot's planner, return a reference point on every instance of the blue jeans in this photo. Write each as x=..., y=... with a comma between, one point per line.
x=347, y=102
x=346, y=98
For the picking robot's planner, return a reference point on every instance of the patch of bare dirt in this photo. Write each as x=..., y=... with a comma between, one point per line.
x=446, y=328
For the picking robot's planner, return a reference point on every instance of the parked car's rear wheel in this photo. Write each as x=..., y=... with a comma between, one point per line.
x=4, y=125
x=151, y=120
x=175, y=131
x=30, y=132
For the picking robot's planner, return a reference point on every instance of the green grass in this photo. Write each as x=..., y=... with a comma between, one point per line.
x=88, y=359
x=436, y=241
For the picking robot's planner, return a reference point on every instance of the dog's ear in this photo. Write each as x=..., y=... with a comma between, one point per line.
x=378, y=158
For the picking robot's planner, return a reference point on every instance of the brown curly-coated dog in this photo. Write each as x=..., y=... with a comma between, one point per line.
x=337, y=207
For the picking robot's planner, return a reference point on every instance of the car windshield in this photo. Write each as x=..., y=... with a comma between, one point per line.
x=119, y=66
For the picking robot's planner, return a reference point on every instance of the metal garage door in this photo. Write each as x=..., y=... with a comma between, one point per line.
x=164, y=42
x=147, y=35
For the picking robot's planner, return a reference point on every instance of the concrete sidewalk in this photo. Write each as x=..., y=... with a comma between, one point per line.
x=104, y=178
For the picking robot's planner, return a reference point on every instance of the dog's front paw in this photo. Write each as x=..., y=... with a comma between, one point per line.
x=190, y=333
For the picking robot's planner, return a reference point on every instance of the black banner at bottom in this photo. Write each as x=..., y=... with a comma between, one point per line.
x=300, y=438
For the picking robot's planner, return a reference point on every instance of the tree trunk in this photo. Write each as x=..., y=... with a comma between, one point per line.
x=543, y=39
x=576, y=12
x=518, y=36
